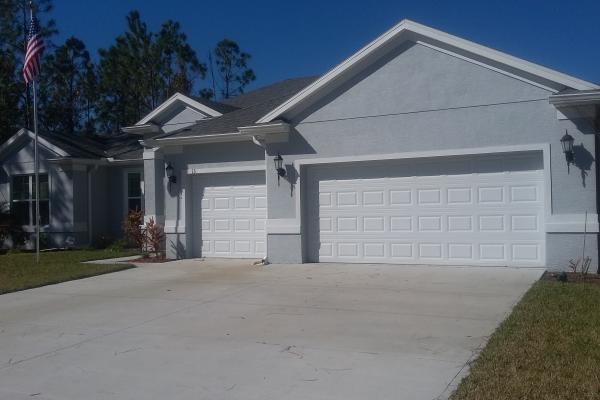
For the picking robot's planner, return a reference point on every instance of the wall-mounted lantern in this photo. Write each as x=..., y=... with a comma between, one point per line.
x=567, y=145
x=170, y=174
x=279, y=166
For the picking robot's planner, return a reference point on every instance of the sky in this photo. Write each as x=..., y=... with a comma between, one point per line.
x=307, y=37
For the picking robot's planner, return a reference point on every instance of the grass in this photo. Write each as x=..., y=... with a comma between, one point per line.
x=19, y=271
x=548, y=348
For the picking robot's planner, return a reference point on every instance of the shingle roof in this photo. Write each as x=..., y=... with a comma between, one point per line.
x=75, y=146
x=220, y=107
x=249, y=107
x=122, y=146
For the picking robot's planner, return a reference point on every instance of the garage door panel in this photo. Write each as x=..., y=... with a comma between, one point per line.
x=491, y=218
x=230, y=218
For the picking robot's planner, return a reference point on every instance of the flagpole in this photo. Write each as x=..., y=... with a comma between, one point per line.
x=36, y=162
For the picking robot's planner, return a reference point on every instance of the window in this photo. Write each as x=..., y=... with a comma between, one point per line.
x=23, y=199
x=134, y=191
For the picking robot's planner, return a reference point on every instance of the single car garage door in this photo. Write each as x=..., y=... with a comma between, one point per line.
x=229, y=215
x=456, y=211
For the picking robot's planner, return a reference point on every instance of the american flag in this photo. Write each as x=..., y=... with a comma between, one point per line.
x=33, y=55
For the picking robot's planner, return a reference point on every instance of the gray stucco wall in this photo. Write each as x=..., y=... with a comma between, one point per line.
x=420, y=99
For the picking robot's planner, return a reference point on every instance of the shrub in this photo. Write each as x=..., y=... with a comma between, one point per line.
x=117, y=245
x=133, y=230
x=154, y=236
x=9, y=229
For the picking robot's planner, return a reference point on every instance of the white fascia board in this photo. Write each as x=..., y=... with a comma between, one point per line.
x=184, y=99
x=575, y=99
x=407, y=30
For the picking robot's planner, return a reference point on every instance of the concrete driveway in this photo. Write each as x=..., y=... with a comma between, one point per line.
x=228, y=330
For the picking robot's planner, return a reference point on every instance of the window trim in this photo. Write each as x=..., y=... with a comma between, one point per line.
x=30, y=200
x=126, y=197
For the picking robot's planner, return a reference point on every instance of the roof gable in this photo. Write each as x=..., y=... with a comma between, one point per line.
x=411, y=31
x=176, y=101
x=14, y=141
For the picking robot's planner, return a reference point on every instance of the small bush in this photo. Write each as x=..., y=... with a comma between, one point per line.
x=117, y=246
x=154, y=237
x=132, y=228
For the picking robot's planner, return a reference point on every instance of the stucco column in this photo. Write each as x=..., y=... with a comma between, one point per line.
x=284, y=238
x=154, y=171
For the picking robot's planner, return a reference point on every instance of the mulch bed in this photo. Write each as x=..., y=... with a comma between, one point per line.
x=572, y=277
x=151, y=260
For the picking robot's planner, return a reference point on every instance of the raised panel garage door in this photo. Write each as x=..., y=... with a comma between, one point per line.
x=230, y=216
x=471, y=219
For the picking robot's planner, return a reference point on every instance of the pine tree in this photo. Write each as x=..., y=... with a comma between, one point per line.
x=141, y=70
x=14, y=23
x=232, y=68
x=64, y=107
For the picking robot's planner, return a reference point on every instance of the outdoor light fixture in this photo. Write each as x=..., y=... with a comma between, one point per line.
x=171, y=174
x=567, y=145
x=279, y=166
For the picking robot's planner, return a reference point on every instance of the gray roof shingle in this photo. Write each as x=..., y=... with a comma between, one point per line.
x=122, y=146
x=249, y=107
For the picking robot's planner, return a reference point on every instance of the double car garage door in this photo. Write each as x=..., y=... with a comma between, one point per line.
x=475, y=211
x=470, y=211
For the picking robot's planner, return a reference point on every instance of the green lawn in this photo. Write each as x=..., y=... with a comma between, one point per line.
x=549, y=348
x=19, y=271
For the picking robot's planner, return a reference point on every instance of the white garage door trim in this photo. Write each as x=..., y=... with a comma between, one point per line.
x=229, y=220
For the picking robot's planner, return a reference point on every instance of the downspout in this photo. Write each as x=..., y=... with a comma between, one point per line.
x=260, y=142
x=90, y=197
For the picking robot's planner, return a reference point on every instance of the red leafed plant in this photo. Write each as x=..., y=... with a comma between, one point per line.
x=154, y=237
x=133, y=230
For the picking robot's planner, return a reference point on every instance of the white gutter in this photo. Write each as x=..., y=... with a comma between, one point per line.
x=575, y=99
x=112, y=160
x=142, y=129
x=275, y=132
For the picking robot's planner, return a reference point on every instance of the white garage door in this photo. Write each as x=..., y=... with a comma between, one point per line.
x=230, y=218
x=470, y=219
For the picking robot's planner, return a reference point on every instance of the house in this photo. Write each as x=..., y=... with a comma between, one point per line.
x=87, y=186
x=421, y=148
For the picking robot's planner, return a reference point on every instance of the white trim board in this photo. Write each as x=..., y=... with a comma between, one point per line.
x=408, y=30
x=218, y=170
x=572, y=223
x=543, y=147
